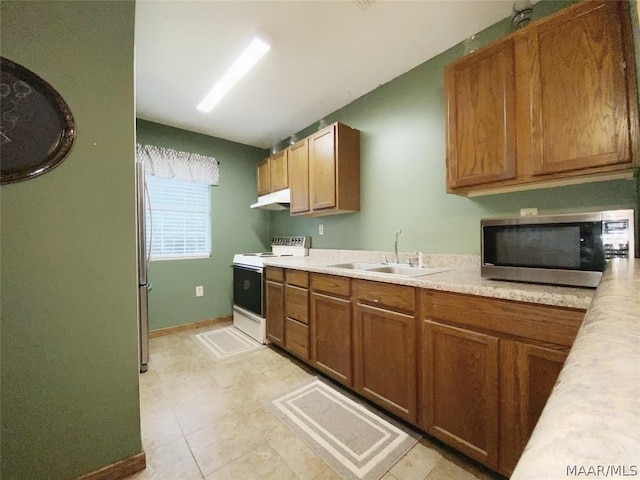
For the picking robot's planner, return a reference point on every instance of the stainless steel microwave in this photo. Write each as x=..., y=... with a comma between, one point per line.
x=568, y=249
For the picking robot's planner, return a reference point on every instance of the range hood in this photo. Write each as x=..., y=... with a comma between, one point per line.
x=279, y=200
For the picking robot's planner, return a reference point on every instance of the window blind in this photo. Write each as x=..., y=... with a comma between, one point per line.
x=181, y=218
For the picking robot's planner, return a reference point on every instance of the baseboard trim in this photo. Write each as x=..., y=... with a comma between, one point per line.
x=118, y=470
x=160, y=332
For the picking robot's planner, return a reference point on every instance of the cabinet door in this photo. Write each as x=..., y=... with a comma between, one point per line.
x=279, y=170
x=460, y=389
x=264, y=177
x=322, y=164
x=297, y=338
x=299, y=177
x=529, y=373
x=275, y=312
x=331, y=336
x=481, y=132
x=385, y=344
x=579, y=102
x=297, y=303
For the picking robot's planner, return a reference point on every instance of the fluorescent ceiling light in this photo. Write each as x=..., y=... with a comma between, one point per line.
x=254, y=52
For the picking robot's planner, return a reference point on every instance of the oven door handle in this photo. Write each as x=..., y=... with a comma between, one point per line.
x=250, y=268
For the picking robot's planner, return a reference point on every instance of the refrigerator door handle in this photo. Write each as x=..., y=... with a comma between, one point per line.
x=143, y=325
x=148, y=205
x=140, y=210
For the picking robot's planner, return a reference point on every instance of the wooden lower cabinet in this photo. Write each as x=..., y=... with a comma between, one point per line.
x=331, y=327
x=461, y=389
x=297, y=338
x=297, y=303
x=472, y=371
x=385, y=343
x=274, y=288
x=385, y=346
x=529, y=373
x=296, y=311
x=487, y=367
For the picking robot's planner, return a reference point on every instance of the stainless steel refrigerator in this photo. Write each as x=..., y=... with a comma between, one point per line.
x=144, y=286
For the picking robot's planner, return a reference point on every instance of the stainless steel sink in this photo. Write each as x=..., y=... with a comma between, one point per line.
x=407, y=271
x=356, y=266
x=398, y=270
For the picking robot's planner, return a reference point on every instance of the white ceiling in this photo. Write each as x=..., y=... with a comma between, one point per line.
x=324, y=55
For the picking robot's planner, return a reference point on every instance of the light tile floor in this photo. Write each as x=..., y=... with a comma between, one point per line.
x=202, y=418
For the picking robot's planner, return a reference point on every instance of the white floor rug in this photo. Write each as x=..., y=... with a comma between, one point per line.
x=228, y=342
x=356, y=440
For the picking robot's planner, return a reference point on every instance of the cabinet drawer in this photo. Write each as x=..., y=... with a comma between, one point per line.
x=297, y=338
x=297, y=278
x=545, y=323
x=297, y=303
x=331, y=284
x=276, y=274
x=396, y=297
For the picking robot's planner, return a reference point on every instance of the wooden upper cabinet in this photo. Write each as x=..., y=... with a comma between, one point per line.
x=334, y=170
x=481, y=133
x=578, y=90
x=299, y=176
x=273, y=173
x=279, y=170
x=323, y=169
x=571, y=116
x=264, y=177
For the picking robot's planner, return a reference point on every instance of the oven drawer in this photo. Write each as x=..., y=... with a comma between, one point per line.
x=297, y=338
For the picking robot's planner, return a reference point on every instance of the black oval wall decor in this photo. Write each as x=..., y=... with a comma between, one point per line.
x=37, y=129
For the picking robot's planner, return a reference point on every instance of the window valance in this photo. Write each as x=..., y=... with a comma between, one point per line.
x=185, y=166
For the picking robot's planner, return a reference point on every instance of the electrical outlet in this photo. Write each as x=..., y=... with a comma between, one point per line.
x=199, y=291
x=321, y=229
x=528, y=212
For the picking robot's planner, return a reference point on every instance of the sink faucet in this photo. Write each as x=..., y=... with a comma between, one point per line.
x=395, y=247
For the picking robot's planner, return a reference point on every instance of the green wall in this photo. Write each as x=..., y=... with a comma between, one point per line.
x=235, y=228
x=403, y=172
x=69, y=299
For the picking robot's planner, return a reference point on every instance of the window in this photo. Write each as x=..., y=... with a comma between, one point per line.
x=181, y=219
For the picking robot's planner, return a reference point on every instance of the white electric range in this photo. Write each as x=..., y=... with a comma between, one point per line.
x=249, y=310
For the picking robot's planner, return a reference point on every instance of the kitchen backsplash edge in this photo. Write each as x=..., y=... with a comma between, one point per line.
x=446, y=260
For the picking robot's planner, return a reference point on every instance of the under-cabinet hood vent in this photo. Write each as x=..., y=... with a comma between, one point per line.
x=279, y=200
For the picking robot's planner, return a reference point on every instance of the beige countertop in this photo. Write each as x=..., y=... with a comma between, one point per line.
x=464, y=277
